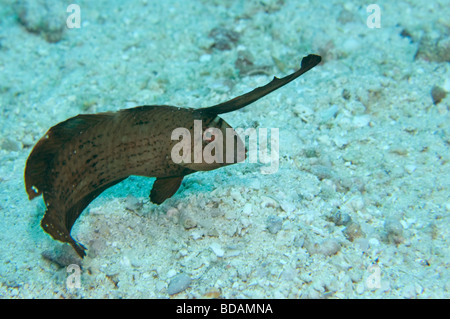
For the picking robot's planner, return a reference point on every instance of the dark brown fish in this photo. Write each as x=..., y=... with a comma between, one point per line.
x=79, y=158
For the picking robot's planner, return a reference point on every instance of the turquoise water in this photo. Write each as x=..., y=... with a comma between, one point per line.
x=358, y=207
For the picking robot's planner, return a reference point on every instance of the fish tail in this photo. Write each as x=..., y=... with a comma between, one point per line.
x=42, y=157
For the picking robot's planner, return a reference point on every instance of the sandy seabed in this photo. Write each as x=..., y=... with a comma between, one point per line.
x=359, y=207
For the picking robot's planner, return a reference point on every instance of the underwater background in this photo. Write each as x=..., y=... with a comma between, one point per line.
x=359, y=207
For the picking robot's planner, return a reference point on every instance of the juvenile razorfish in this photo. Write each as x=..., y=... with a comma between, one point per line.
x=79, y=158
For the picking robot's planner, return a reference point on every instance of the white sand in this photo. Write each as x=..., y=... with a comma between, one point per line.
x=379, y=155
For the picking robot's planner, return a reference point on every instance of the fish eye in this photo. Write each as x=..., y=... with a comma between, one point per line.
x=208, y=135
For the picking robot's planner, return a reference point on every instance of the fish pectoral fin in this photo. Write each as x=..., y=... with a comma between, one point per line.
x=164, y=188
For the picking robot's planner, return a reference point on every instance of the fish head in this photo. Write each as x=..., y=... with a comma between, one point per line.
x=214, y=144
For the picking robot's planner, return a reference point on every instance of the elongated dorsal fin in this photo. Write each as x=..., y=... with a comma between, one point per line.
x=239, y=102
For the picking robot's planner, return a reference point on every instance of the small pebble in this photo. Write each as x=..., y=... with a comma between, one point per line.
x=62, y=257
x=27, y=140
x=212, y=293
x=356, y=204
x=224, y=39
x=132, y=203
x=311, y=152
x=361, y=120
x=205, y=58
x=217, y=249
x=178, y=284
x=187, y=221
x=274, y=224
x=406, y=34
x=329, y=247
x=435, y=49
x=360, y=288
x=322, y=172
x=328, y=114
x=437, y=94
x=394, y=231
x=346, y=94
x=244, y=62
x=346, y=16
x=373, y=242
x=44, y=17
x=341, y=218
x=11, y=145
x=247, y=210
x=410, y=168
x=171, y=273
x=363, y=243
x=409, y=291
x=352, y=231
